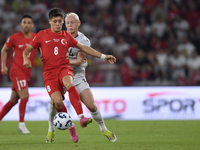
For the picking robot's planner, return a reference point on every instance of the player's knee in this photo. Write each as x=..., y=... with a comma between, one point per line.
x=68, y=85
x=58, y=103
x=14, y=101
x=92, y=107
x=25, y=96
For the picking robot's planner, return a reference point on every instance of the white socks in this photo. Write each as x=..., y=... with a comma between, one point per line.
x=79, y=116
x=52, y=113
x=98, y=118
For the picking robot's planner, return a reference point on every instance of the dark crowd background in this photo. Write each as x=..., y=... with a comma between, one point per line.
x=156, y=42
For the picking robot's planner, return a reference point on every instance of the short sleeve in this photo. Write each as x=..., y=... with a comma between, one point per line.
x=10, y=42
x=36, y=40
x=72, y=41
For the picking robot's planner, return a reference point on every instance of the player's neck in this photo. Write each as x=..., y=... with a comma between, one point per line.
x=55, y=31
x=74, y=34
x=27, y=35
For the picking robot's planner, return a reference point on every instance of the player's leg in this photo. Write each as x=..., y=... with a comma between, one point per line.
x=24, y=95
x=56, y=99
x=87, y=98
x=7, y=107
x=75, y=100
x=54, y=90
x=51, y=130
x=60, y=107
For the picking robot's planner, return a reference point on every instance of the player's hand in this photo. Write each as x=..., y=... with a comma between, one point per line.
x=111, y=59
x=27, y=63
x=4, y=70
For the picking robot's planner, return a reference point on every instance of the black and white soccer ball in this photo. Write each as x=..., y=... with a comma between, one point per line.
x=62, y=121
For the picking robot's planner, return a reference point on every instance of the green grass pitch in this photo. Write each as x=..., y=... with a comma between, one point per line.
x=131, y=135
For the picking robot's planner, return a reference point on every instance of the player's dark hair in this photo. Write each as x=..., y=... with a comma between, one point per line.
x=55, y=12
x=26, y=16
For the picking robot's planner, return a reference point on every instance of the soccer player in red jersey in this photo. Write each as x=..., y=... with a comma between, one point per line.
x=19, y=74
x=79, y=64
x=57, y=71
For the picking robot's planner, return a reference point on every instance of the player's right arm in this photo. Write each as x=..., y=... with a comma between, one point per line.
x=27, y=62
x=4, y=69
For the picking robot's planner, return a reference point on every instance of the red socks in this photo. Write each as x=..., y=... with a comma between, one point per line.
x=63, y=109
x=6, y=108
x=75, y=100
x=22, y=109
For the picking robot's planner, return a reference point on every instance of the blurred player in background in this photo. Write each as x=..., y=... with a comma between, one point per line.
x=19, y=74
x=57, y=71
x=79, y=63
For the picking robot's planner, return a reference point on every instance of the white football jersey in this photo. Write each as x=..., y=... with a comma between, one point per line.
x=79, y=71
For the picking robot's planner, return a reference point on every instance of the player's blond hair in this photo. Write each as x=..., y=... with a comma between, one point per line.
x=73, y=14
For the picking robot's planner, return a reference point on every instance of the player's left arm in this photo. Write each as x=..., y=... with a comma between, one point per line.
x=78, y=61
x=90, y=51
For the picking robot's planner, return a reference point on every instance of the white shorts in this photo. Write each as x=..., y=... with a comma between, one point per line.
x=82, y=85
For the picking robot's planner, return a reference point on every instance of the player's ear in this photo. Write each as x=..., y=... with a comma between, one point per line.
x=79, y=23
x=32, y=25
x=49, y=21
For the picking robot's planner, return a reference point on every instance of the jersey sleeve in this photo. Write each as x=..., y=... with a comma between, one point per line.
x=36, y=40
x=10, y=42
x=71, y=39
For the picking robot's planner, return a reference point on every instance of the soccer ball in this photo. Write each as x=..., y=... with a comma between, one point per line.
x=62, y=120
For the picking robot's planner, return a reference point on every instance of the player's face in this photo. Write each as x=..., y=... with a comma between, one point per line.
x=72, y=24
x=26, y=25
x=56, y=24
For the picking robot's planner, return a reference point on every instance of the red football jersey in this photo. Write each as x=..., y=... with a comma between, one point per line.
x=19, y=43
x=53, y=47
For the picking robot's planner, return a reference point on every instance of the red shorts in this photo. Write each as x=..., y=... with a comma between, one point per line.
x=19, y=83
x=53, y=79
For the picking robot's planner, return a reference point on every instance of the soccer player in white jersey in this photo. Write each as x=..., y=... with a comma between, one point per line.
x=79, y=63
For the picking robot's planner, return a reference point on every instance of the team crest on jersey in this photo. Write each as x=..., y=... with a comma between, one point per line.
x=63, y=41
x=27, y=44
x=56, y=40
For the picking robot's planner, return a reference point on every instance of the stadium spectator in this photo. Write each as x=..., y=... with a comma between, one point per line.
x=181, y=26
x=141, y=68
x=173, y=12
x=193, y=64
x=107, y=40
x=159, y=26
x=135, y=9
x=158, y=10
x=186, y=47
x=162, y=58
x=192, y=15
x=177, y=65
